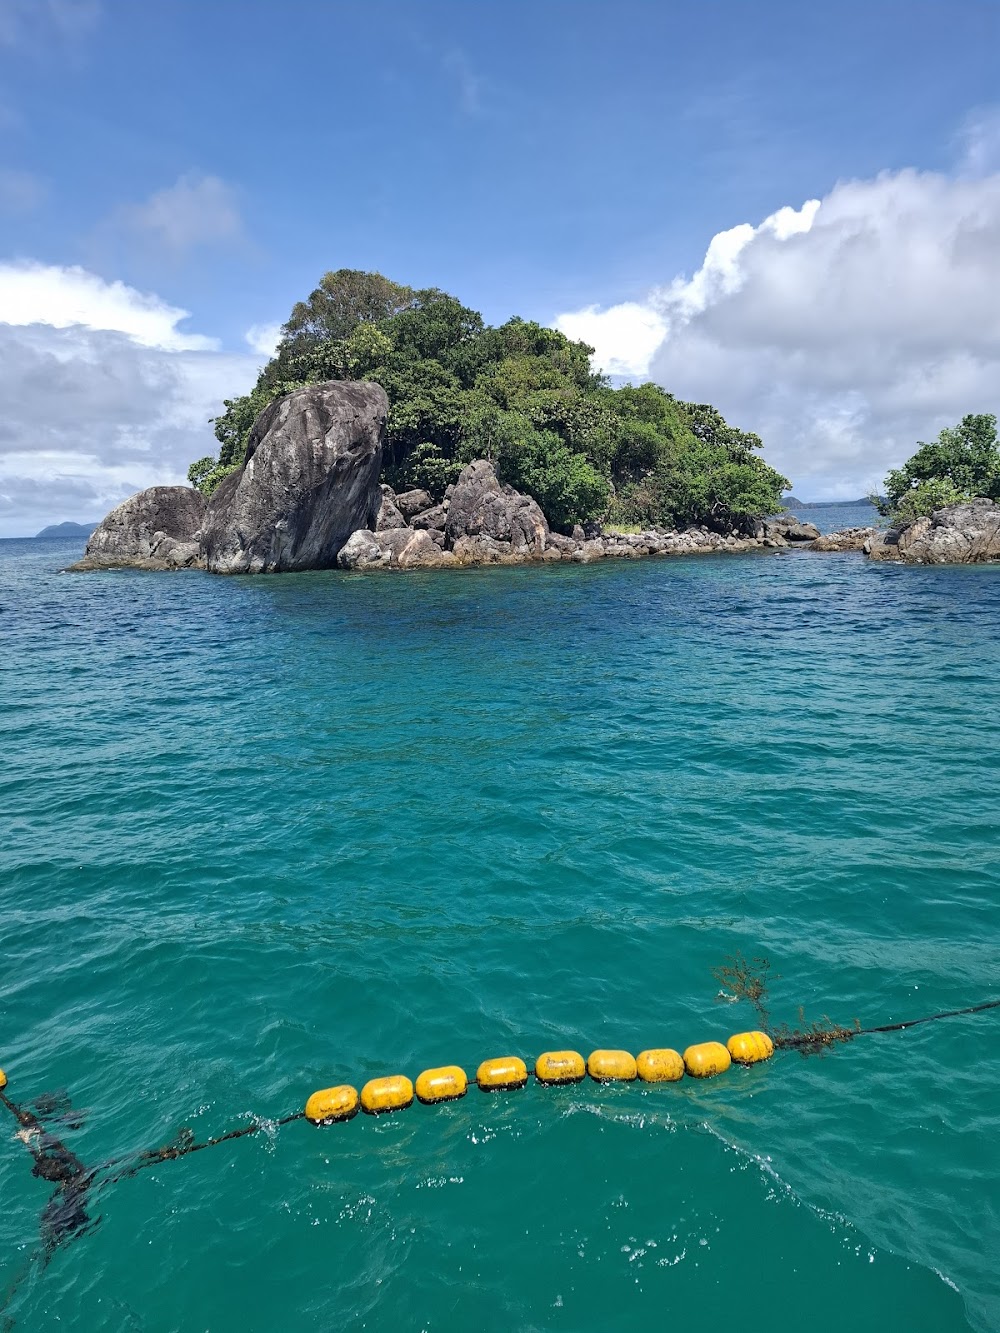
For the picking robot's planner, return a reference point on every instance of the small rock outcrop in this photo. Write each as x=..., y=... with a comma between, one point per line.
x=963, y=534
x=310, y=479
x=411, y=503
x=480, y=506
x=848, y=539
x=393, y=548
x=388, y=515
x=156, y=529
x=791, y=529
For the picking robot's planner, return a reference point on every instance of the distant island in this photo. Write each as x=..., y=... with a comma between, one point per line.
x=66, y=530
x=790, y=502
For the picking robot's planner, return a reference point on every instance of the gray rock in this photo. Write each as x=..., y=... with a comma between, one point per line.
x=310, y=479
x=590, y=551
x=435, y=517
x=145, y=529
x=482, y=549
x=962, y=534
x=362, y=550
x=801, y=532
x=849, y=539
x=791, y=529
x=389, y=515
x=411, y=503
x=395, y=548
x=481, y=507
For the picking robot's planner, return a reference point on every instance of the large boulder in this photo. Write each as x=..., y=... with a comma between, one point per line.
x=435, y=517
x=962, y=534
x=480, y=506
x=790, y=528
x=310, y=479
x=156, y=529
x=411, y=503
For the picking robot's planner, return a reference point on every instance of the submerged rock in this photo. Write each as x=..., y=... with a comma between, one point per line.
x=156, y=529
x=962, y=534
x=310, y=479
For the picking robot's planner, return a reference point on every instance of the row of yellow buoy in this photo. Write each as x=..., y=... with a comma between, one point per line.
x=395, y=1091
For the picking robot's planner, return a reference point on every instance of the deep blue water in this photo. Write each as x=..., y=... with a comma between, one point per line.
x=834, y=517
x=263, y=835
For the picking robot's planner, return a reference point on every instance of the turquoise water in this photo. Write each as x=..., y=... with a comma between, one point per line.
x=266, y=835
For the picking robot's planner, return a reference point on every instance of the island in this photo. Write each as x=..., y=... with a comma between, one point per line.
x=394, y=429
x=65, y=530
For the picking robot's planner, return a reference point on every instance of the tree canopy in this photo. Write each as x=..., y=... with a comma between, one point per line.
x=963, y=462
x=521, y=395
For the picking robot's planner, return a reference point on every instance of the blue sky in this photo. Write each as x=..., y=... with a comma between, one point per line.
x=541, y=159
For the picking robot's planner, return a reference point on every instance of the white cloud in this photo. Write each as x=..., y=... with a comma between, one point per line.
x=195, y=210
x=843, y=331
x=623, y=337
x=32, y=293
x=263, y=338
x=102, y=394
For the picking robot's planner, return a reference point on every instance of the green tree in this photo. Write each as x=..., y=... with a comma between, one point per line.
x=964, y=461
x=206, y=473
x=520, y=394
x=340, y=302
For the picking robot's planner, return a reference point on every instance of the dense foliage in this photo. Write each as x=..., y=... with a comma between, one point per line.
x=963, y=462
x=520, y=395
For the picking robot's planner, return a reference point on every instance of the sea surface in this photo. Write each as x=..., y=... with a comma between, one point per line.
x=265, y=835
x=831, y=517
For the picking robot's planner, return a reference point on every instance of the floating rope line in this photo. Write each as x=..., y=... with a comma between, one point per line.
x=65, y=1217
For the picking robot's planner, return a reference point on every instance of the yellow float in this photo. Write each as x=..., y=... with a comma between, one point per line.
x=748, y=1048
x=3, y=1079
x=707, y=1059
x=442, y=1085
x=661, y=1065
x=505, y=1072
x=332, y=1104
x=607, y=1066
x=560, y=1067
x=392, y=1093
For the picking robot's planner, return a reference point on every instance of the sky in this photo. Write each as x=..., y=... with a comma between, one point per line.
x=790, y=211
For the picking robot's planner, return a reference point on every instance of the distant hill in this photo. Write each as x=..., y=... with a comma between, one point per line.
x=790, y=502
x=67, y=530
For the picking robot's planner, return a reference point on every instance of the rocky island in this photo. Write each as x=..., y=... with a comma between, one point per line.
x=308, y=496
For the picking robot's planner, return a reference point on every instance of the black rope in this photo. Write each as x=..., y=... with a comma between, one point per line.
x=65, y=1216
x=815, y=1038
x=948, y=1013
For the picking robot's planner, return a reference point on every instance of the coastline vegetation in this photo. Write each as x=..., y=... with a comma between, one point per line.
x=521, y=395
x=961, y=464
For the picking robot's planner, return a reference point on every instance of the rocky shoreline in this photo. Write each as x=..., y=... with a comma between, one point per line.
x=308, y=497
